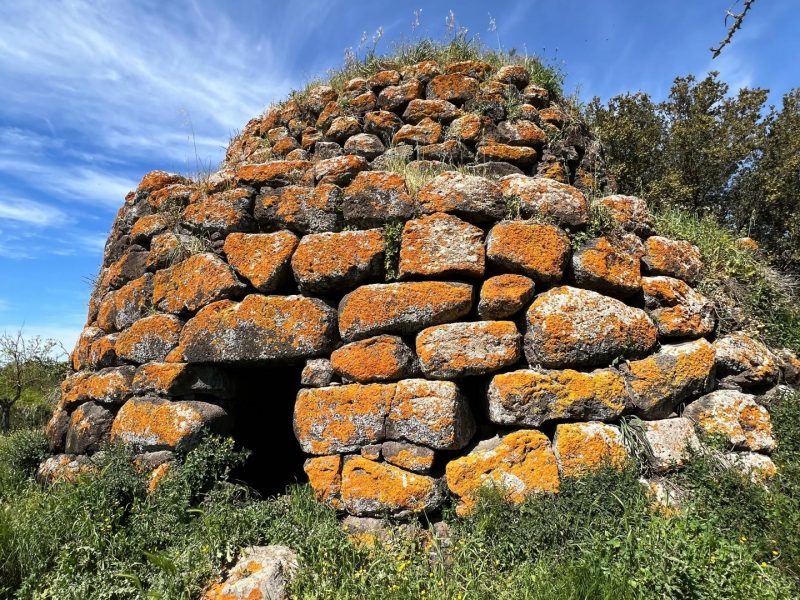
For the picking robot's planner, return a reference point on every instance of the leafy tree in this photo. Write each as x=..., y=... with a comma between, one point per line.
x=26, y=365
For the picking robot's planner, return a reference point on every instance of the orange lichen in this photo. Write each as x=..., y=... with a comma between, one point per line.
x=382, y=485
x=467, y=128
x=608, y=264
x=379, y=358
x=534, y=249
x=156, y=423
x=441, y=245
x=261, y=258
x=158, y=179
x=147, y=226
x=582, y=448
x=193, y=283
x=427, y=131
x=325, y=477
x=454, y=87
x=109, y=386
x=506, y=153
x=327, y=259
x=340, y=418
x=339, y=170
x=122, y=307
x=504, y=295
x=519, y=464
x=149, y=339
x=271, y=173
x=391, y=307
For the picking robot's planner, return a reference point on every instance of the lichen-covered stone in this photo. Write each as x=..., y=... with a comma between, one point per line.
x=516, y=75
x=373, y=488
x=745, y=361
x=410, y=457
x=342, y=128
x=56, y=430
x=450, y=152
x=319, y=96
x=366, y=145
x=535, y=95
x=504, y=295
x=671, y=443
x=155, y=180
x=317, y=372
x=630, y=212
x=607, y=265
x=427, y=131
x=758, y=468
x=325, y=477
x=454, y=87
x=327, y=262
x=261, y=573
x=194, y=283
x=275, y=173
x=401, y=307
x=438, y=110
x=380, y=358
x=149, y=424
x=382, y=123
x=531, y=398
x=468, y=196
x=734, y=416
x=529, y=248
x=107, y=386
x=376, y=197
x=441, y=245
x=339, y=170
x=570, y=327
x=467, y=128
x=259, y=329
x=149, y=339
x=677, y=310
x=516, y=155
x=583, y=448
x=660, y=382
x=64, y=467
x=123, y=307
x=518, y=465
x=394, y=97
x=299, y=208
x=89, y=426
x=79, y=357
x=540, y=197
x=130, y=266
x=431, y=413
x=341, y=418
x=224, y=212
x=180, y=379
x=464, y=349
x=673, y=258
x=424, y=71
x=520, y=133
x=261, y=258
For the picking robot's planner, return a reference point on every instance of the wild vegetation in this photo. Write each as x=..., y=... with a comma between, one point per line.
x=105, y=536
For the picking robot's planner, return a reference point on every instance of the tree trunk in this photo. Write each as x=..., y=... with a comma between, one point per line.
x=5, y=418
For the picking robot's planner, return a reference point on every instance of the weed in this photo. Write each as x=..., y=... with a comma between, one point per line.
x=392, y=233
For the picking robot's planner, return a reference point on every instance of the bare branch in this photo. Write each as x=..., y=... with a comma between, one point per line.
x=733, y=28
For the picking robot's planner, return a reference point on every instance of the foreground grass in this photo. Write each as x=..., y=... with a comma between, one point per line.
x=105, y=537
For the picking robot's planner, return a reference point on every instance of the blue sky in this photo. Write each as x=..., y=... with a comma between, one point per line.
x=93, y=94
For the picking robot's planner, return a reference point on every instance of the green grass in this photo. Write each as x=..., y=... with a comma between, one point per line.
x=105, y=537
x=748, y=292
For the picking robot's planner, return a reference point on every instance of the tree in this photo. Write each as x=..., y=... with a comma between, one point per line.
x=27, y=365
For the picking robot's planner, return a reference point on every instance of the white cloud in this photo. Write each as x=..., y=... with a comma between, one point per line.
x=29, y=212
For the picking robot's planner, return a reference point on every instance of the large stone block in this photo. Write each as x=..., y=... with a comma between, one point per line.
x=341, y=418
x=259, y=329
x=532, y=398
x=327, y=262
x=261, y=258
x=609, y=265
x=583, y=448
x=149, y=339
x=194, y=283
x=677, y=309
x=375, y=198
x=150, y=424
x=107, y=386
x=660, y=382
x=540, y=197
x=441, y=245
x=630, y=213
x=401, y=307
x=570, y=327
x=464, y=349
x=673, y=258
x=222, y=213
x=123, y=307
x=745, y=361
x=533, y=249
x=519, y=464
x=373, y=488
x=325, y=477
x=502, y=296
x=671, y=443
x=300, y=208
x=380, y=358
x=470, y=197
x=431, y=413
x=89, y=426
x=734, y=416
x=180, y=379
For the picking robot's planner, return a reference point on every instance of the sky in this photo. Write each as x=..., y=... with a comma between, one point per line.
x=94, y=94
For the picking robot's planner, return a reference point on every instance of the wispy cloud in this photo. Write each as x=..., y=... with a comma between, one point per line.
x=29, y=212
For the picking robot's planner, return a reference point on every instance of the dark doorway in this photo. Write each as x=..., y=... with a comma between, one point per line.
x=262, y=413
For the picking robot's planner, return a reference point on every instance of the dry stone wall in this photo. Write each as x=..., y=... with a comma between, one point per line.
x=422, y=242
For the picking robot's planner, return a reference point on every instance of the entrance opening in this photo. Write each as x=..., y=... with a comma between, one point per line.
x=262, y=423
